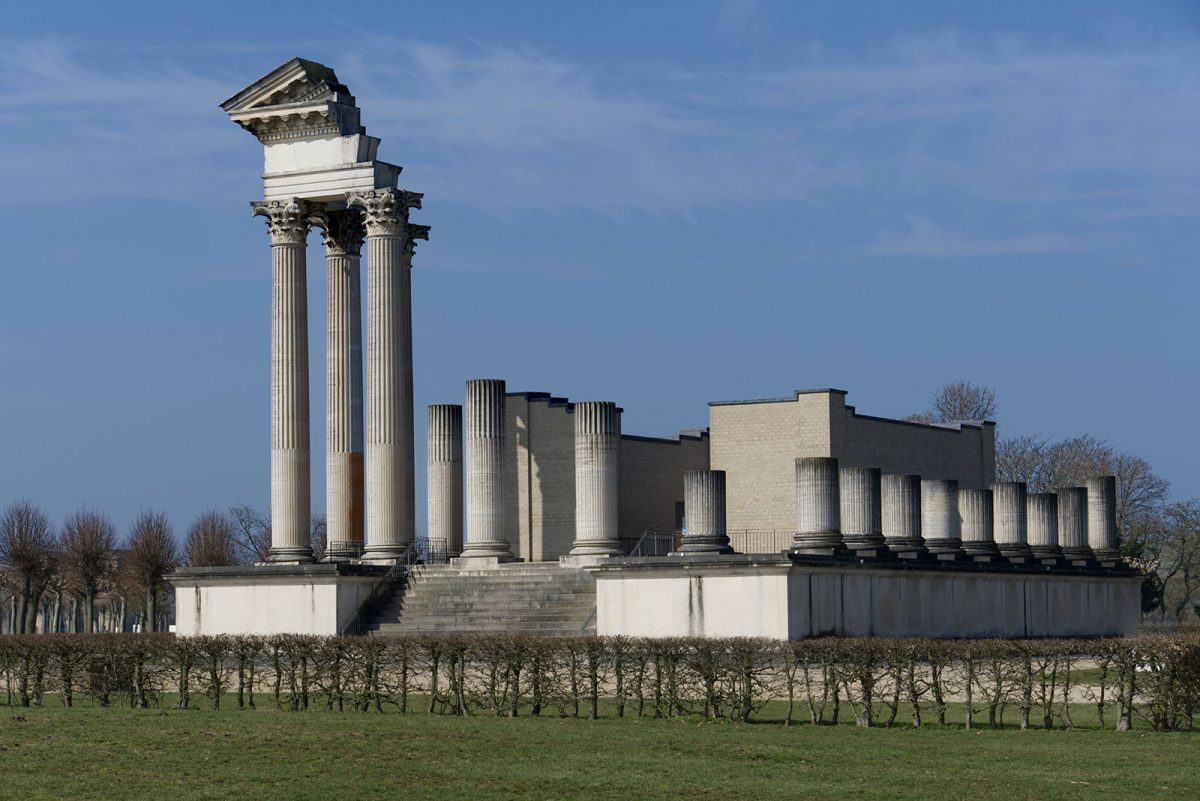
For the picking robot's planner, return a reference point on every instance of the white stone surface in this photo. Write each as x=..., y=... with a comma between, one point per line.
x=287, y=224
x=344, y=488
x=390, y=458
x=1102, y=516
x=941, y=526
x=1010, y=518
x=859, y=489
x=704, y=513
x=1042, y=519
x=781, y=602
x=260, y=603
x=484, y=445
x=597, y=479
x=444, y=448
x=976, y=515
x=818, y=504
x=1072, y=522
x=901, y=499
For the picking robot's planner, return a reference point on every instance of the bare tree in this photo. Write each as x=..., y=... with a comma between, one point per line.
x=253, y=533
x=89, y=542
x=1171, y=551
x=959, y=401
x=211, y=541
x=151, y=555
x=319, y=537
x=27, y=552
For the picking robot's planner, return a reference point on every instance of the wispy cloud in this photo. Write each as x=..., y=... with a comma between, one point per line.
x=1086, y=136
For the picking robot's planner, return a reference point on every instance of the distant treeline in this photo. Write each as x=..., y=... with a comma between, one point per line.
x=1153, y=679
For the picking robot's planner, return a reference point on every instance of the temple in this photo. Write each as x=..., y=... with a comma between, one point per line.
x=783, y=518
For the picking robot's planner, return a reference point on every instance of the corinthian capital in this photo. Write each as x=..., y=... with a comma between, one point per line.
x=341, y=230
x=385, y=211
x=288, y=221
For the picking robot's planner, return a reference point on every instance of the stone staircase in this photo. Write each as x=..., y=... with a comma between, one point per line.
x=541, y=598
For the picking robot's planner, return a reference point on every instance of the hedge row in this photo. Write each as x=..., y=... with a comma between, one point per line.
x=878, y=682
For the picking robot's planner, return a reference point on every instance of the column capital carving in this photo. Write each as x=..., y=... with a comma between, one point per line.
x=288, y=221
x=385, y=211
x=341, y=230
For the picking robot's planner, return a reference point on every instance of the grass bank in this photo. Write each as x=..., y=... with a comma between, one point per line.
x=118, y=753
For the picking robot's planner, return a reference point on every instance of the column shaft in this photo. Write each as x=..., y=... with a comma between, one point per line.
x=704, y=513
x=976, y=514
x=344, y=494
x=597, y=479
x=391, y=523
x=860, y=491
x=1043, y=525
x=940, y=523
x=1072, y=522
x=1102, y=517
x=818, y=507
x=485, y=422
x=288, y=222
x=902, y=512
x=445, y=478
x=1010, y=515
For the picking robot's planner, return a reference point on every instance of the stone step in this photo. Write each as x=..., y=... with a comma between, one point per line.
x=542, y=598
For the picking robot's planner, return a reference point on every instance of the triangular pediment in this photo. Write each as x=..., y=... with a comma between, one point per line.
x=296, y=100
x=297, y=81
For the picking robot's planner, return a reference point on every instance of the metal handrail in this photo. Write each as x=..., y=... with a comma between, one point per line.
x=403, y=562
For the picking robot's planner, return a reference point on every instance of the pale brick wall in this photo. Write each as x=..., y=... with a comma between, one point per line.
x=540, y=478
x=757, y=442
x=652, y=480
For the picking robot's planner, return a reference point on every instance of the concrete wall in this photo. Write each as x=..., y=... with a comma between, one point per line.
x=652, y=479
x=540, y=491
x=757, y=442
x=307, y=599
x=765, y=597
x=541, y=471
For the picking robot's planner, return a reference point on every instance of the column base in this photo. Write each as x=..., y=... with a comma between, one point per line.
x=290, y=555
x=383, y=554
x=485, y=552
x=597, y=548
x=704, y=546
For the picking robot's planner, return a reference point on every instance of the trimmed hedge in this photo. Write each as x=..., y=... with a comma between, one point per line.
x=878, y=682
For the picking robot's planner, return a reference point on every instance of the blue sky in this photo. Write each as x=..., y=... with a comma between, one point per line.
x=660, y=204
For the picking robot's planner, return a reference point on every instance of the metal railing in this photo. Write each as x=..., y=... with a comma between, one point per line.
x=421, y=551
x=650, y=543
x=760, y=541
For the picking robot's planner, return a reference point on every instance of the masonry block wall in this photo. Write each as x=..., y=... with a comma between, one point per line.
x=540, y=486
x=757, y=442
x=652, y=479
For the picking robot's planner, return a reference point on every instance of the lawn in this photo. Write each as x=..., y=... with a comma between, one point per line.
x=117, y=753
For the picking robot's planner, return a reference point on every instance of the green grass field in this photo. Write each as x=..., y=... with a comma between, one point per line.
x=118, y=753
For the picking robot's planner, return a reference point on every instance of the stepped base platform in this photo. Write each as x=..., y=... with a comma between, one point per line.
x=794, y=597
x=542, y=598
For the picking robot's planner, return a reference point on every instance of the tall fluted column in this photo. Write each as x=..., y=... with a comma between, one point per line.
x=902, y=514
x=977, y=531
x=597, y=451
x=1072, y=523
x=861, y=508
x=1010, y=516
x=389, y=446
x=940, y=524
x=704, y=513
x=485, y=421
x=818, y=507
x=344, y=504
x=1043, y=526
x=288, y=223
x=445, y=477
x=1102, y=517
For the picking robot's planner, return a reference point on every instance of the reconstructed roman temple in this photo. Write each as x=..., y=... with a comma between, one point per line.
x=784, y=518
